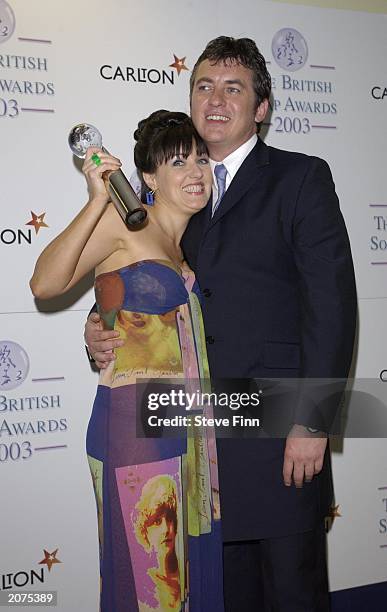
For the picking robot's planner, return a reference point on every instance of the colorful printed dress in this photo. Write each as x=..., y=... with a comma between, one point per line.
x=157, y=498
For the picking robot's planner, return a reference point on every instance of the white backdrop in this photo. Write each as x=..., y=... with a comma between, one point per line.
x=47, y=502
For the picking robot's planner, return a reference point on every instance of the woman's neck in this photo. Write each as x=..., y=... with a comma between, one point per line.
x=172, y=223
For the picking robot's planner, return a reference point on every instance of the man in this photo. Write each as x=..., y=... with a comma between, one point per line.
x=272, y=257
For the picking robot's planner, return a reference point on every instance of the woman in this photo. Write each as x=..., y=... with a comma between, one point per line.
x=145, y=291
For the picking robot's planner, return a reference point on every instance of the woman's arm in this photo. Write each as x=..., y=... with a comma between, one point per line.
x=88, y=240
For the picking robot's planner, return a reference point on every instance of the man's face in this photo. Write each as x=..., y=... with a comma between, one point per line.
x=223, y=106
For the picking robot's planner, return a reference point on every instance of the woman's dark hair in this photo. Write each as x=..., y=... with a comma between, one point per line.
x=160, y=137
x=244, y=51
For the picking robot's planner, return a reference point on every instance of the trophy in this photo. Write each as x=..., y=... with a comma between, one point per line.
x=128, y=205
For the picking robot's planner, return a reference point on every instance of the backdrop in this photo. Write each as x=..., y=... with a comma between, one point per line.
x=110, y=64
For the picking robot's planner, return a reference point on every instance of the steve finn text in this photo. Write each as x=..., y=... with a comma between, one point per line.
x=201, y=420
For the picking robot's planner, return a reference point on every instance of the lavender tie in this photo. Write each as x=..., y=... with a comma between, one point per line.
x=220, y=173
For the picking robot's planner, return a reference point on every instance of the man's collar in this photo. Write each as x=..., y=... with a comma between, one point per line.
x=237, y=157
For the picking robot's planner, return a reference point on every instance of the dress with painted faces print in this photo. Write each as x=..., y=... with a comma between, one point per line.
x=157, y=497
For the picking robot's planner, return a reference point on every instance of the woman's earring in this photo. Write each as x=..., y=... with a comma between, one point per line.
x=149, y=197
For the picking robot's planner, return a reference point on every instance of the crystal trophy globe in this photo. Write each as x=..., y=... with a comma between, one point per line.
x=129, y=207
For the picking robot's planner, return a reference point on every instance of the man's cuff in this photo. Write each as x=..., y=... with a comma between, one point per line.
x=303, y=431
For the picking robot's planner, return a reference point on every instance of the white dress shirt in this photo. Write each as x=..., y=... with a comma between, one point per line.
x=232, y=163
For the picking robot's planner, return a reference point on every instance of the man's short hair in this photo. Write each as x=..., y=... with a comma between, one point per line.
x=244, y=51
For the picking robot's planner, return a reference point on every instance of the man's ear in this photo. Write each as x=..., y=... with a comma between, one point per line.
x=261, y=111
x=150, y=181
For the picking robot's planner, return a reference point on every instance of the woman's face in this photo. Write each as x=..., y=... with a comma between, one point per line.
x=161, y=532
x=184, y=183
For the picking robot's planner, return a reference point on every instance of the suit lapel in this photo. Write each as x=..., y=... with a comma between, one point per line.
x=241, y=183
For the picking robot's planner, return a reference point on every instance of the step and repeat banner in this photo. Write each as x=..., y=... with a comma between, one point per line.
x=111, y=64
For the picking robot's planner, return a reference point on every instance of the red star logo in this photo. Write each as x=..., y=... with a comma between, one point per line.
x=334, y=512
x=49, y=559
x=37, y=221
x=178, y=64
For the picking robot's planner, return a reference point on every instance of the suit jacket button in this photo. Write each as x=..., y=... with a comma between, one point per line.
x=210, y=339
x=207, y=292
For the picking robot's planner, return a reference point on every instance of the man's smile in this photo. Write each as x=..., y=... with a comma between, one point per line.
x=217, y=118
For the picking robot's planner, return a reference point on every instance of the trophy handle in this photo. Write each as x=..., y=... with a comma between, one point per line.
x=125, y=200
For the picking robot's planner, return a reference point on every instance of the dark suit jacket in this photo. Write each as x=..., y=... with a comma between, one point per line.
x=275, y=267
